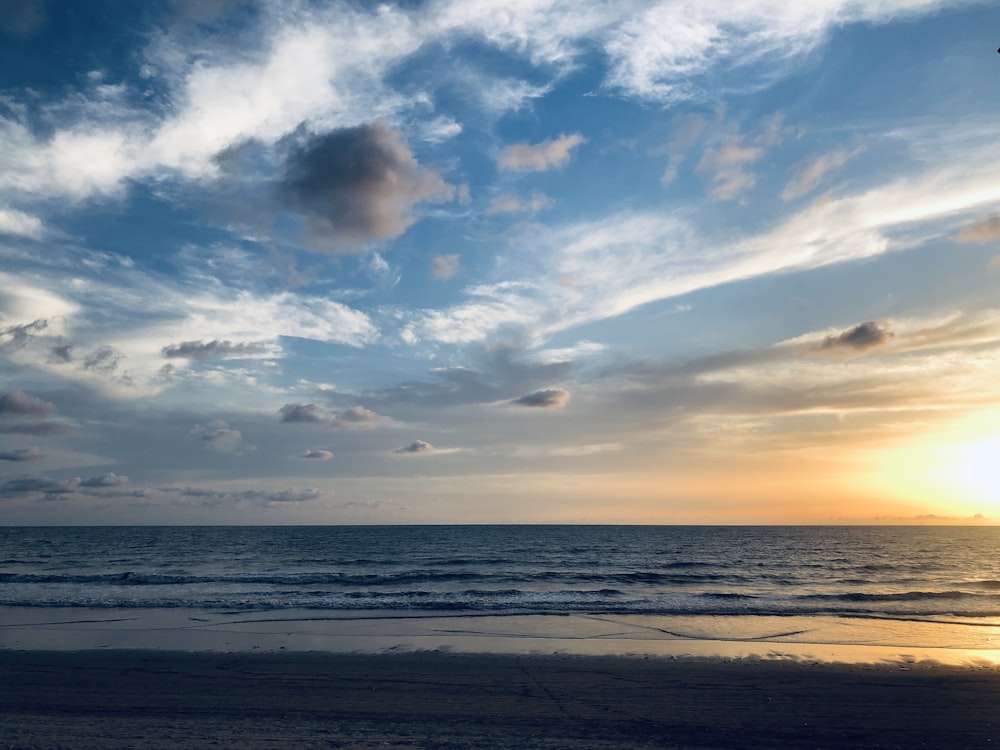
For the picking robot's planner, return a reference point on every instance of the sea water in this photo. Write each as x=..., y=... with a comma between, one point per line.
x=727, y=583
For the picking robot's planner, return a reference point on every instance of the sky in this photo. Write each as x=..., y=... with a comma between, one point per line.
x=641, y=261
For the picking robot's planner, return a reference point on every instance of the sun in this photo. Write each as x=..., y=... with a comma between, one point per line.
x=974, y=467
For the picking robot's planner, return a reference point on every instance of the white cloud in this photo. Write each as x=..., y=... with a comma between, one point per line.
x=593, y=270
x=663, y=50
x=20, y=223
x=327, y=69
x=22, y=302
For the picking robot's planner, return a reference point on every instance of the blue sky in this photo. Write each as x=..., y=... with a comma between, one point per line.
x=328, y=262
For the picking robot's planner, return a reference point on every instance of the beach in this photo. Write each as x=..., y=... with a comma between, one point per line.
x=160, y=699
x=488, y=637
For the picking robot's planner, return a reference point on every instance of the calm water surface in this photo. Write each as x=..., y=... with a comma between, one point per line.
x=898, y=572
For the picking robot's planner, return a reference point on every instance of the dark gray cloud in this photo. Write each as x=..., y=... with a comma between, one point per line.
x=417, y=446
x=105, y=359
x=18, y=335
x=254, y=497
x=104, y=486
x=20, y=454
x=18, y=403
x=63, y=352
x=356, y=415
x=106, y=480
x=303, y=413
x=356, y=184
x=550, y=398
x=202, y=350
x=318, y=454
x=26, y=486
x=861, y=338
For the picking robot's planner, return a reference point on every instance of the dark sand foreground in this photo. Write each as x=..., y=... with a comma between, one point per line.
x=129, y=699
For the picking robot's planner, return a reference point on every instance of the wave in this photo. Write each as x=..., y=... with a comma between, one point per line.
x=131, y=578
x=604, y=600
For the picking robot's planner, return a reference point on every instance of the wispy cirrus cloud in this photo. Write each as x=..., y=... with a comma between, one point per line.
x=809, y=175
x=511, y=204
x=540, y=157
x=593, y=270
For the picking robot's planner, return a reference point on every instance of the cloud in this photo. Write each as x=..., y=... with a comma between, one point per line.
x=218, y=436
x=216, y=349
x=589, y=449
x=981, y=231
x=19, y=335
x=18, y=223
x=252, y=497
x=319, y=455
x=18, y=403
x=383, y=275
x=540, y=157
x=356, y=416
x=22, y=414
x=728, y=163
x=510, y=204
x=691, y=128
x=417, y=447
x=444, y=267
x=106, y=480
x=860, y=338
x=104, y=360
x=26, y=486
x=304, y=413
x=808, y=176
x=551, y=398
x=356, y=184
x=668, y=52
x=21, y=454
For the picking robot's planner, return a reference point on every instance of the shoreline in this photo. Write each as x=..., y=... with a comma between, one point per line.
x=156, y=699
x=824, y=639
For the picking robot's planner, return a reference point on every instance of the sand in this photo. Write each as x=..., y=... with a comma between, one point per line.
x=164, y=699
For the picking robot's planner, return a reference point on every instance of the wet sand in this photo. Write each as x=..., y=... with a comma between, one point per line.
x=159, y=699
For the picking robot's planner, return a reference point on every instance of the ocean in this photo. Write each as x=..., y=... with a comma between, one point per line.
x=905, y=573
